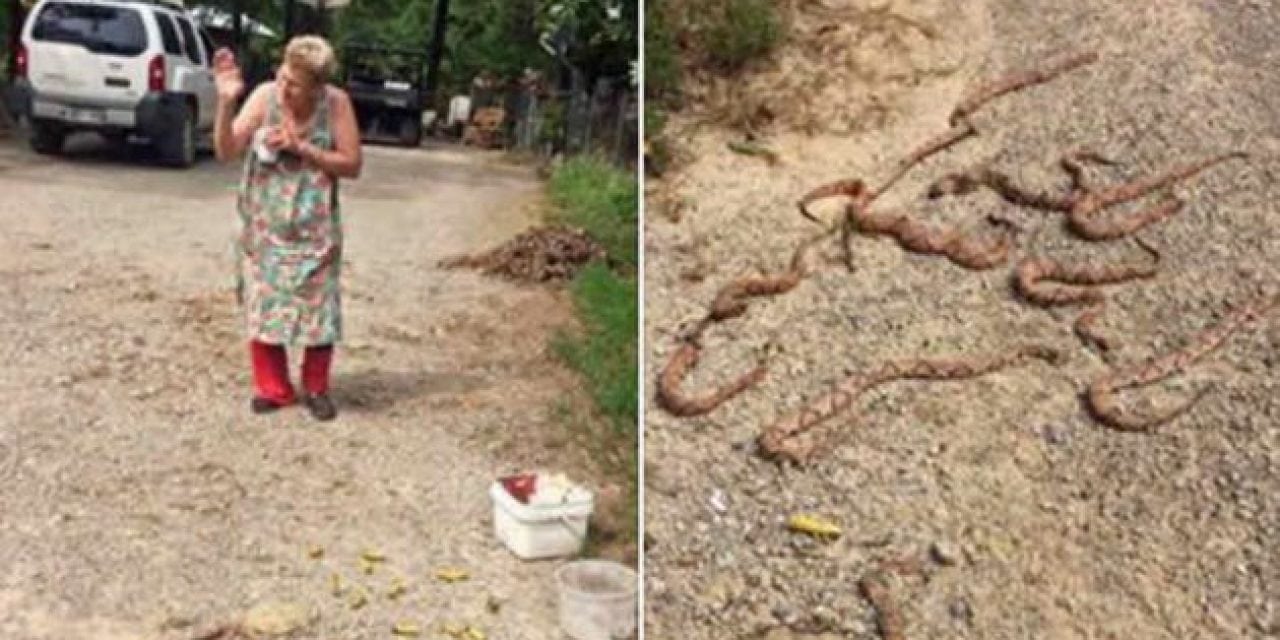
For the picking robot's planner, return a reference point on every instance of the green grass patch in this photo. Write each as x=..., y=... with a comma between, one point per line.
x=605, y=354
x=590, y=193
x=743, y=30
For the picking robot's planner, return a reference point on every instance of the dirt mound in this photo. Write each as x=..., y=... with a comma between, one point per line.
x=540, y=254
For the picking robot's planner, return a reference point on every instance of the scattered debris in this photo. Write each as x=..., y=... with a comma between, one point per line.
x=452, y=575
x=756, y=150
x=407, y=629
x=464, y=632
x=945, y=553
x=359, y=598
x=814, y=526
x=396, y=589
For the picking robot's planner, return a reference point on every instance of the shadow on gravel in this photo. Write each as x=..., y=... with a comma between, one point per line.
x=376, y=391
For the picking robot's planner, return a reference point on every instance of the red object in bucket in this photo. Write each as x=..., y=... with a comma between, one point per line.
x=520, y=486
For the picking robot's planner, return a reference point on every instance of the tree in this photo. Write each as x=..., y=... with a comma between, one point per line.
x=600, y=37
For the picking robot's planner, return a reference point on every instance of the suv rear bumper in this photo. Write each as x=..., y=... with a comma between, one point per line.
x=156, y=114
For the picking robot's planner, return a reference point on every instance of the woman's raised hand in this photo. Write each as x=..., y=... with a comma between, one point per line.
x=227, y=76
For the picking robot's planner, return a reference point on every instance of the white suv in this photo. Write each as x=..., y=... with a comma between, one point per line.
x=117, y=67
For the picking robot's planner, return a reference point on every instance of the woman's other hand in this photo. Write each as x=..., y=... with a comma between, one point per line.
x=283, y=138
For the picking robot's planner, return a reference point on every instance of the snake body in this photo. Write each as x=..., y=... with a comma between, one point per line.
x=1083, y=204
x=1101, y=395
x=987, y=92
x=1077, y=282
x=963, y=249
x=787, y=437
x=731, y=300
x=685, y=405
x=966, y=250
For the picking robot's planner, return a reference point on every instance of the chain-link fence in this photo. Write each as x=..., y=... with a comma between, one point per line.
x=546, y=122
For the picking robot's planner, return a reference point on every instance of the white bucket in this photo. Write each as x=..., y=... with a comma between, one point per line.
x=597, y=600
x=540, y=531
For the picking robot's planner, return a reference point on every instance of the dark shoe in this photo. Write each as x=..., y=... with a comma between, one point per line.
x=263, y=405
x=321, y=407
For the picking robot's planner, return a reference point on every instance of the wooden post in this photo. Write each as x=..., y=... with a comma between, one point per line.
x=437, y=46
x=16, y=16
x=288, y=20
x=237, y=31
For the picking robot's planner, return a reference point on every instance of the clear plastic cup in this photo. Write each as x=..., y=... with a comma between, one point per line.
x=597, y=600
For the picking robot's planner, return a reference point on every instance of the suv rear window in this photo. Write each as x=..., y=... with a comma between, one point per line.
x=100, y=29
x=209, y=49
x=189, y=40
x=168, y=35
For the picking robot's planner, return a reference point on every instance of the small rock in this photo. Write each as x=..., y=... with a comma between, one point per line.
x=945, y=553
x=825, y=617
x=718, y=502
x=1053, y=434
x=961, y=611
x=784, y=615
x=493, y=604
x=855, y=628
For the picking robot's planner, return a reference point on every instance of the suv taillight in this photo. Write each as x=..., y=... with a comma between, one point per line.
x=155, y=74
x=20, y=62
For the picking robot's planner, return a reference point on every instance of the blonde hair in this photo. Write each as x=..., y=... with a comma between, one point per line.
x=311, y=54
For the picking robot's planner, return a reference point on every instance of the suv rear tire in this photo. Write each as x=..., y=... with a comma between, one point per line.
x=177, y=146
x=46, y=137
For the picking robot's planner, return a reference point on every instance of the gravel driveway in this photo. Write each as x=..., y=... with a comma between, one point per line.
x=141, y=499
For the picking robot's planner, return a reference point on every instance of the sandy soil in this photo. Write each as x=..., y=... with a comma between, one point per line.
x=142, y=499
x=1030, y=519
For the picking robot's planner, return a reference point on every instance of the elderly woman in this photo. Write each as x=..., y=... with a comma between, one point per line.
x=301, y=137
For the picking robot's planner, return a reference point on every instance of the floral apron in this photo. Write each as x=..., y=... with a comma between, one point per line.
x=289, y=249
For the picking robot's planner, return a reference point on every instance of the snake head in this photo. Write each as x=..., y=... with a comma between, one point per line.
x=690, y=331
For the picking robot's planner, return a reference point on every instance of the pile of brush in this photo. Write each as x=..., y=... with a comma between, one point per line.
x=540, y=254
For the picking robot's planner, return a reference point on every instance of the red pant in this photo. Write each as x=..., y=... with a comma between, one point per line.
x=271, y=371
